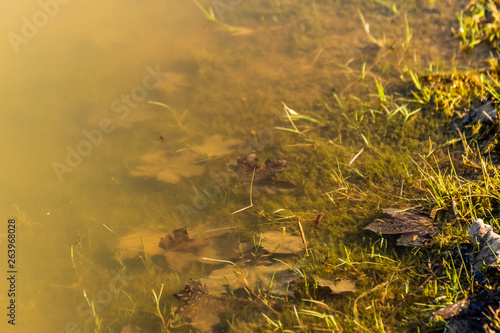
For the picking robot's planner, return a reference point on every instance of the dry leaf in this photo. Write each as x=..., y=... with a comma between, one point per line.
x=415, y=227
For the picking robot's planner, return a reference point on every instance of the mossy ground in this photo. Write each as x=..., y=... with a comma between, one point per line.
x=377, y=137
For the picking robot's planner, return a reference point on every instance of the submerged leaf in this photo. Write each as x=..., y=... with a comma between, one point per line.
x=167, y=169
x=180, y=250
x=337, y=287
x=145, y=240
x=270, y=276
x=278, y=242
x=215, y=145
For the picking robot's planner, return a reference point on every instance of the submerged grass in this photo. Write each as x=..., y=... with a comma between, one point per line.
x=377, y=143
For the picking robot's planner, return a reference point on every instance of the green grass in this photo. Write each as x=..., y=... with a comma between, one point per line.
x=380, y=142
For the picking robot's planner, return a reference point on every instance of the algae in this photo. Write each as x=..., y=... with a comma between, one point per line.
x=374, y=134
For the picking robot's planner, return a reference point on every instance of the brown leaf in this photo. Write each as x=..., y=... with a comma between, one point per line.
x=415, y=227
x=169, y=169
x=144, y=240
x=215, y=145
x=338, y=287
x=223, y=280
x=278, y=242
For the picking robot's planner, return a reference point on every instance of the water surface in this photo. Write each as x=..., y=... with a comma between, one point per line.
x=76, y=123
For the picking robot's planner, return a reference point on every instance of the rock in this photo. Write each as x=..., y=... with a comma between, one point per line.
x=484, y=238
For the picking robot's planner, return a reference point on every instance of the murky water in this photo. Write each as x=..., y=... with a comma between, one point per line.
x=87, y=160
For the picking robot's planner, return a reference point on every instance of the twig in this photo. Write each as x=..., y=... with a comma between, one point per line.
x=303, y=237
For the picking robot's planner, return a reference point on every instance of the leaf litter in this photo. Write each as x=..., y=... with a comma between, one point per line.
x=171, y=168
x=178, y=248
x=240, y=268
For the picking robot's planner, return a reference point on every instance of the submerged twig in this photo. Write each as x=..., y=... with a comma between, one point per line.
x=303, y=237
x=251, y=201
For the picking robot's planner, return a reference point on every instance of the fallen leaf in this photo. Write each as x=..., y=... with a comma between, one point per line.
x=338, y=287
x=215, y=145
x=415, y=227
x=179, y=249
x=277, y=242
x=167, y=169
x=140, y=241
x=257, y=277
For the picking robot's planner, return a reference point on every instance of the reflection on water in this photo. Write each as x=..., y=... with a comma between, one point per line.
x=86, y=159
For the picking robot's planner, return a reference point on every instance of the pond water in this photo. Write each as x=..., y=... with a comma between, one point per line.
x=110, y=110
